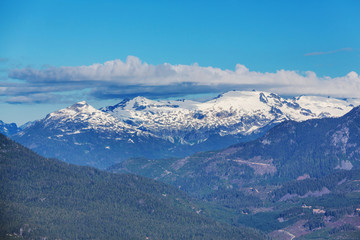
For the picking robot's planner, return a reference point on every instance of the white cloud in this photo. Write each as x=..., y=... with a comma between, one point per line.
x=133, y=77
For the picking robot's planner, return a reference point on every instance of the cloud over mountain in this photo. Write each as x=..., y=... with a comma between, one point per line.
x=118, y=79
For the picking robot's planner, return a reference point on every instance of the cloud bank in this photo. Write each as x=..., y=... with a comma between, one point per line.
x=119, y=79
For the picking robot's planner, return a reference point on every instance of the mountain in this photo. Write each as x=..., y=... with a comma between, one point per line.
x=8, y=128
x=49, y=199
x=141, y=127
x=83, y=135
x=236, y=113
x=290, y=150
x=299, y=179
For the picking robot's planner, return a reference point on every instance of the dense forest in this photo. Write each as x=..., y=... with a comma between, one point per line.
x=47, y=198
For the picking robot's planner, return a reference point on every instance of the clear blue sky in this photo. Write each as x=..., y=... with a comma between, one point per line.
x=264, y=36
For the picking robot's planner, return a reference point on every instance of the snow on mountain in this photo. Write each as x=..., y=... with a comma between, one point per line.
x=27, y=124
x=8, y=129
x=83, y=135
x=141, y=127
x=87, y=118
x=235, y=112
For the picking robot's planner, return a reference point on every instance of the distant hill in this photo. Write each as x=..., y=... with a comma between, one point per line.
x=49, y=199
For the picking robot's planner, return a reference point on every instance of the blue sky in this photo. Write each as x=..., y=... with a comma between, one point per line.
x=172, y=48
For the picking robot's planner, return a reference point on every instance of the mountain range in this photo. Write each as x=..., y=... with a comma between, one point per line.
x=141, y=127
x=232, y=113
x=289, y=151
x=299, y=178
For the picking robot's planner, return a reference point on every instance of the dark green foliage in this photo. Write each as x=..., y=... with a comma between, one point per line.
x=316, y=221
x=292, y=212
x=344, y=228
x=339, y=212
x=266, y=221
x=330, y=182
x=235, y=199
x=337, y=234
x=60, y=201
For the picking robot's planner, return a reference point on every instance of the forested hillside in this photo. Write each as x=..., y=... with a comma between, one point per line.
x=303, y=175
x=46, y=198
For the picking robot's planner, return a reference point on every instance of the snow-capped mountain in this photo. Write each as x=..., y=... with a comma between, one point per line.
x=141, y=127
x=84, y=135
x=289, y=151
x=232, y=113
x=87, y=118
x=8, y=128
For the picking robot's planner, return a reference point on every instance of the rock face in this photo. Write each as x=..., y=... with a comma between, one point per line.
x=8, y=128
x=141, y=127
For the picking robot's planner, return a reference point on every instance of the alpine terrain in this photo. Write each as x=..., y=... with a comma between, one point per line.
x=141, y=127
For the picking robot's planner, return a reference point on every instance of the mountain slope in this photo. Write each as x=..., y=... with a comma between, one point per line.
x=45, y=198
x=288, y=151
x=315, y=147
x=83, y=135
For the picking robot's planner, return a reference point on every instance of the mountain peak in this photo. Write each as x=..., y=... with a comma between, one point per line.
x=120, y=105
x=8, y=128
x=79, y=108
x=141, y=99
x=81, y=104
x=242, y=94
x=137, y=103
